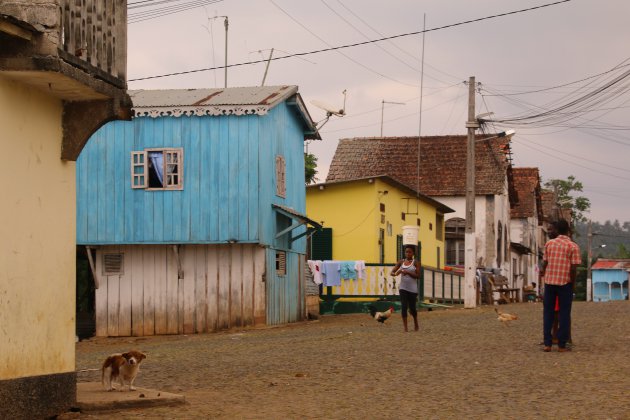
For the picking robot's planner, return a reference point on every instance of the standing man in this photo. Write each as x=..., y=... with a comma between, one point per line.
x=560, y=261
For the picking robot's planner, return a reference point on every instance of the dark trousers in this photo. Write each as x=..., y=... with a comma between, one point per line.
x=408, y=301
x=565, y=299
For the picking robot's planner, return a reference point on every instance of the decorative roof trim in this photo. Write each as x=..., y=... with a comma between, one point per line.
x=201, y=111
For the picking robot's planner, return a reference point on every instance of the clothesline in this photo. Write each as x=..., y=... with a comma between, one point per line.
x=331, y=272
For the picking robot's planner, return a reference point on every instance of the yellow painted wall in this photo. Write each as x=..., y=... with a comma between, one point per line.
x=352, y=210
x=37, y=231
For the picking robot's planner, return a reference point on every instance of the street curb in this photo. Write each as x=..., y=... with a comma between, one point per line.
x=92, y=397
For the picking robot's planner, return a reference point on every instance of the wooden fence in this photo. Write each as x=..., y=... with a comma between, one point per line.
x=437, y=286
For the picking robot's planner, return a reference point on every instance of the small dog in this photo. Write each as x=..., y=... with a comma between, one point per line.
x=123, y=367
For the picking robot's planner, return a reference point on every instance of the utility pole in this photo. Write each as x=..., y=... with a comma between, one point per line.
x=383, y=102
x=470, y=241
x=589, y=258
x=267, y=68
x=226, y=48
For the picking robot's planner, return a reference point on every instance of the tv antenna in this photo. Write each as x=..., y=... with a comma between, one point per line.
x=330, y=110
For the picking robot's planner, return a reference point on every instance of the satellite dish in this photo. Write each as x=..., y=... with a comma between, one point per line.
x=330, y=110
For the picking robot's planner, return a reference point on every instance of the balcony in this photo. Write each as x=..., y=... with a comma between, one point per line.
x=75, y=50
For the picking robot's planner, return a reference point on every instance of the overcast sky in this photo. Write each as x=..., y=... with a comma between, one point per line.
x=509, y=55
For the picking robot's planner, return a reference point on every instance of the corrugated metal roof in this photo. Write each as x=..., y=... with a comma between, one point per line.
x=611, y=264
x=258, y=95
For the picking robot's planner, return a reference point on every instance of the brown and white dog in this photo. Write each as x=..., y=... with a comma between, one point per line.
x=122, y=367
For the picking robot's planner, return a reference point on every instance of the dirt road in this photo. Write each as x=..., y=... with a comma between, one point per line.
x=462, y=364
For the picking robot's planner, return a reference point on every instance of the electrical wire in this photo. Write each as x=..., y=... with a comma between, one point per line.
x=564, y=152
x=337, y=50
x=576, y=164
x=356, y=44
x=145, y=15
x=396, y=46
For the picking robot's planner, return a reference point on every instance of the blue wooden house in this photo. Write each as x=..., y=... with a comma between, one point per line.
x=610, y=279
x=193, y=212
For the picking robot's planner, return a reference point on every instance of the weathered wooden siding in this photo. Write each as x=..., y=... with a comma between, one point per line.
x=223, y=287
x=286, y=293
x=219, y=199
x=281, y=134
x=228, y=180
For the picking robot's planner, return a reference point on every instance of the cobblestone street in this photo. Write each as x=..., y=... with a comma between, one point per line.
x=462, y=364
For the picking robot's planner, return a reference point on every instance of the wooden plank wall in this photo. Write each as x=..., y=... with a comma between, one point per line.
x=285, y=293
x=223, y=287
x=220, y=196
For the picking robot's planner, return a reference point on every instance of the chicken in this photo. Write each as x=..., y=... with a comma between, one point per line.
x=381, y=316
x=505, y=317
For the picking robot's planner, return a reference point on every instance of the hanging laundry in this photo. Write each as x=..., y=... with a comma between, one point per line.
x=331, y=273
x=316, y=269
x=347, y=270
x=359, y=266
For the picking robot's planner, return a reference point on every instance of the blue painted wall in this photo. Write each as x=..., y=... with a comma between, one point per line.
x=603, y=278
x=229, y=180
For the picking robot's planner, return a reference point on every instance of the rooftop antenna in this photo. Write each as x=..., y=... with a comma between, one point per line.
x=226, y=24
x=330, y=110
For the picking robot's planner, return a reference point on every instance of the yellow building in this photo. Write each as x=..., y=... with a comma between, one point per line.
x=50, y=103
x=363, y=220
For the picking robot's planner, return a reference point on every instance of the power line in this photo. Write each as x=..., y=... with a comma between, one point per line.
x=359, y=43
x=346, y=56
x=145, y=15
x=576, y=164
x=563, y=85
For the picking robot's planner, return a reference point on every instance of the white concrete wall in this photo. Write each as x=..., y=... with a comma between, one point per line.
x=500, y=210
x=37, y=228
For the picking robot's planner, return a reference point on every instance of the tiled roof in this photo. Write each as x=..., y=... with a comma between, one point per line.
x=551, y=211
x=442, y=162
x=547, y=199
x=527, y=186
x=611, y=264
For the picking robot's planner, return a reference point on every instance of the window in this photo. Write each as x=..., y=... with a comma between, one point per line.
x=499, y=246
x=382, y=207
x=281, y=263
x=403, y=216
x=455, y=251
x=281, y=185
x=113, y=264
x=399, y=247
x=418, y=222
x=381, y=246
x=157, y=169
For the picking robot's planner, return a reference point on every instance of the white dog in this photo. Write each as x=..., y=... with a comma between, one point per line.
x=124, y=367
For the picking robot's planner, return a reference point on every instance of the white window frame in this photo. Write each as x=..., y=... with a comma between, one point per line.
x=140, y=169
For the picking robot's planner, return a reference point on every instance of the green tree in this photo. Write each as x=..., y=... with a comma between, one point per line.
x=622, y=251
x=310, y=168
x=566, y=187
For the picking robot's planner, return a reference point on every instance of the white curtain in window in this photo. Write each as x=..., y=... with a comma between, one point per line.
x=157, y=159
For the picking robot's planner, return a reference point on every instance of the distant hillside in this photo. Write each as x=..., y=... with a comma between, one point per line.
x=615, y=235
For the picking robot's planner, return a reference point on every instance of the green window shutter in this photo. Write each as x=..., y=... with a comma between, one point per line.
x=321, y=245
x=399, y=248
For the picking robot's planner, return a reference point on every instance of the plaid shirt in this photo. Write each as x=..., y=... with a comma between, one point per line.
x=560, y=254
